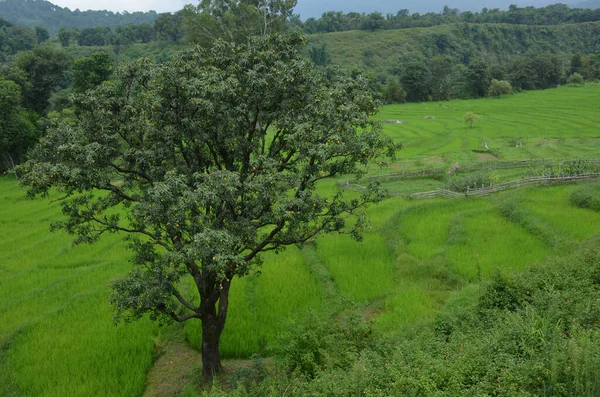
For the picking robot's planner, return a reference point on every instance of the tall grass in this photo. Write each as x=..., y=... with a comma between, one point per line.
x=259, y=305
x=55, y=322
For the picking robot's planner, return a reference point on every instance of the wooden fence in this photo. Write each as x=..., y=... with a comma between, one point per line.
x=487, y=190
x=479, y=166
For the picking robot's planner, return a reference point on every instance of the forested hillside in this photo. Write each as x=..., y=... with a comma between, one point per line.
x=460, y=60
x=32, y=13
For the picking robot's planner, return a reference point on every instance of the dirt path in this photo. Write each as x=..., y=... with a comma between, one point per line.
x=177, y=365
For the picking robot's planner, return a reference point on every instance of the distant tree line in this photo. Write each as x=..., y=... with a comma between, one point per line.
x=32, y=13
x=417, y=79
x=337, y=21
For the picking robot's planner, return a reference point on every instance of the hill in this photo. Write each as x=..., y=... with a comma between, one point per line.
x=382, y=51
x=314, y=8
x=32, y=13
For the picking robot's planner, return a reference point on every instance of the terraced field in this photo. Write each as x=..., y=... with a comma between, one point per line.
x=56, y=331
x=557, y=123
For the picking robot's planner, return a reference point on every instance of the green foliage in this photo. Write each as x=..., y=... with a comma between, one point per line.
x=99, y=36
x=460, y=183
x=235, y=20
x=168, y=26
x=321, y=342
x=18, y=131
x=586, y=197
x=319, y=54
x=569, y=168
x=504, y=292
x=54, y=17
x=533, y=337
x=500, y=87
x=575, y=79
x=555, y=14
x=45, y=68
x=14, y=38
x=471, y=118
x=41, y=34
x=91, y=71
x=235, y=140
x=394, y=93
x=416, y=80
x=480, y=78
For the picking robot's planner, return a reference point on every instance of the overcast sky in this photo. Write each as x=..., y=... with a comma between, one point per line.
x=124, y=5
x=309, y=8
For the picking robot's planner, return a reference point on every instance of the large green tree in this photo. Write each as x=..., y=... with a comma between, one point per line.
x=206, y=162
x=89, y=72
x=416, y=80
x=45, y=67
x=235, y=20
x=18, y=131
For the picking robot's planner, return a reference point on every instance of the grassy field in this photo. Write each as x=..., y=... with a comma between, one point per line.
x=56, y=332
x=556, y=123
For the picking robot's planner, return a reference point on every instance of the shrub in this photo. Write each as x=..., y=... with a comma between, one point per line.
x=500, y=87
x=586, y=197
x=318, y=342
x=575, y=79
x=460, y=183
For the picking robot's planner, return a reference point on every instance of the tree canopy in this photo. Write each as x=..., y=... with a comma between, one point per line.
x=17, y=129
x=91, y=71
x=235, y=20
x=207, y=161
x=45, y=68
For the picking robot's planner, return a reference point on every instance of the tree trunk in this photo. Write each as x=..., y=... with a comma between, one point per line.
x=212, y=327
x=211, y=335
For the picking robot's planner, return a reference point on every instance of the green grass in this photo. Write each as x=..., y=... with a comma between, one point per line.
x=56, y=331
x=555, y=123
x=55, y=322
x=260, y=303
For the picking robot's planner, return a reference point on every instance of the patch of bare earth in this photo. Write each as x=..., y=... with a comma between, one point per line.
x=486, y=156
x=434, y=160
x=393, y=122
x=179, y=365
x=176, y=365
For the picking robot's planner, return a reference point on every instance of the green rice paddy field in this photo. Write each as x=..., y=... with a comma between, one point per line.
x=57, y=337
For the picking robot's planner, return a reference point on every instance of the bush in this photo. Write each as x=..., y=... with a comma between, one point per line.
x=586, y=197
x=318, y=342
x=575, y=78
x=504, y=293
x=500, y=87
x=460, y=183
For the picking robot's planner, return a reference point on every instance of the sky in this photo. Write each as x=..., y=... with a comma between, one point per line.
x=311, y=8
x=123, y=5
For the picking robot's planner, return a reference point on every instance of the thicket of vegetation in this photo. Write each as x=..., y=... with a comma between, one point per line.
x=461, y=60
